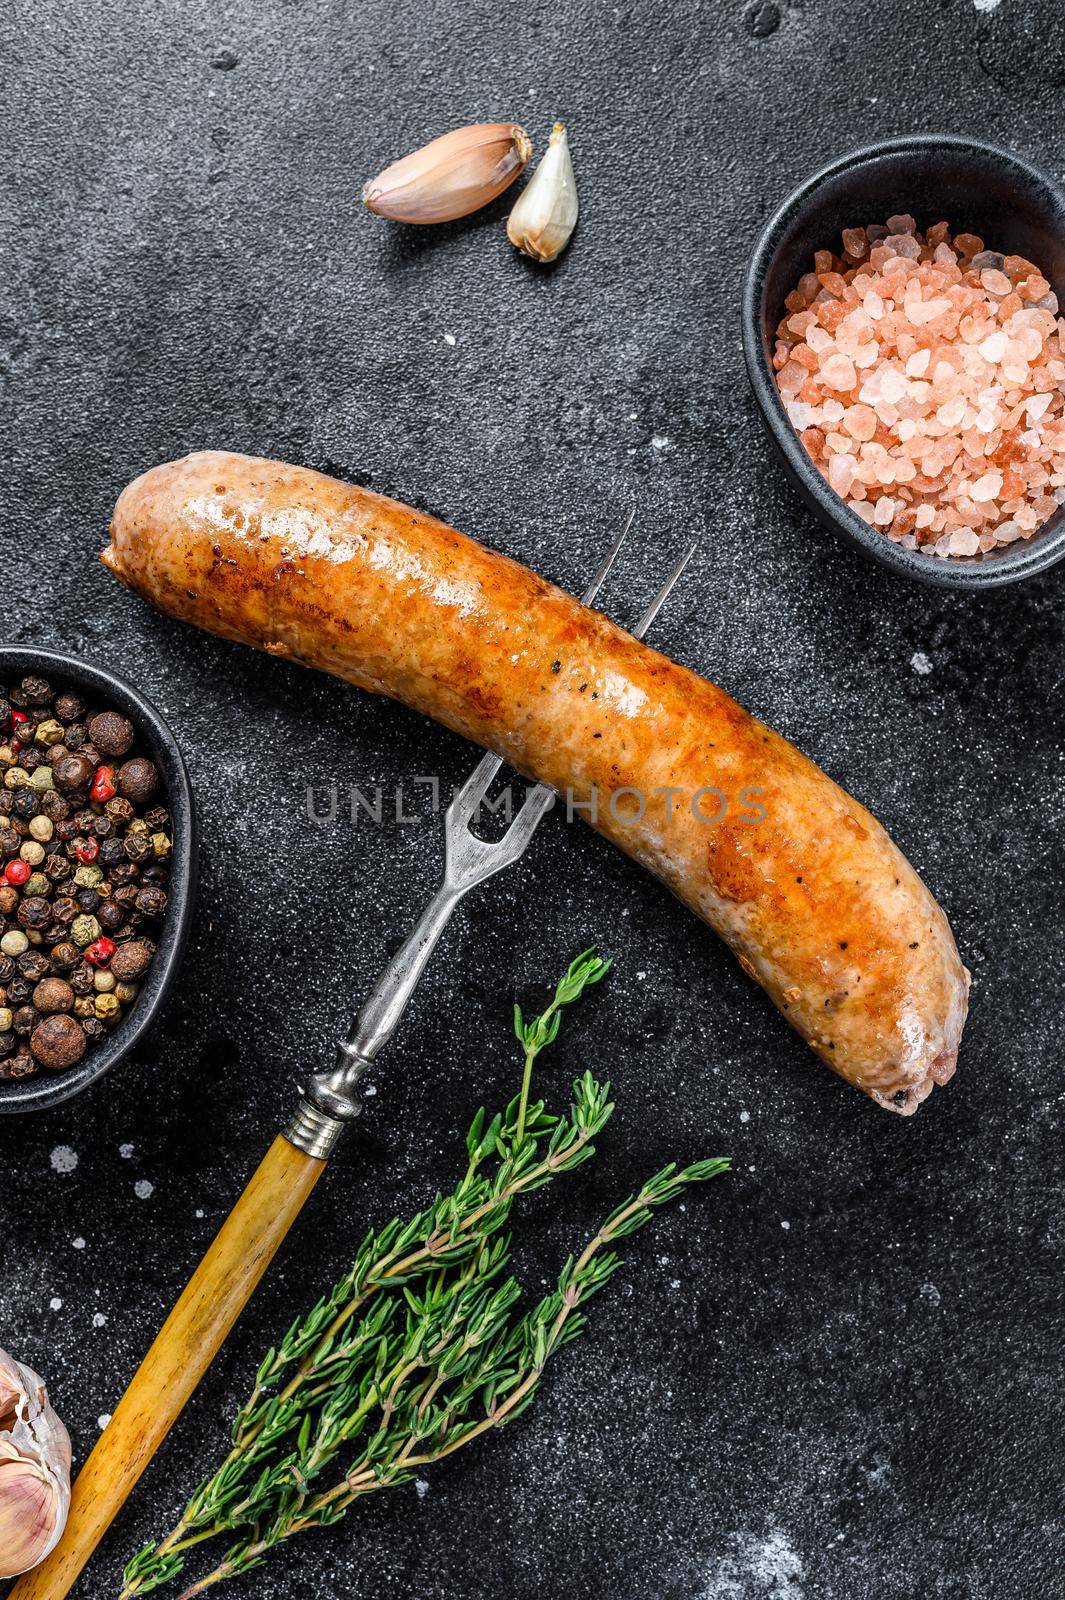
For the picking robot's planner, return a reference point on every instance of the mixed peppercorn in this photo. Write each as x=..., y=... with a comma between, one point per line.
x=85, y=850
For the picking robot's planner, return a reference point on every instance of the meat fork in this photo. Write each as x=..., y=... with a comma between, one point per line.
x=247, y=1241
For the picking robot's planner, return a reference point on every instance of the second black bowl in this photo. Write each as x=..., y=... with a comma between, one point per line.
x=109, y=689
x=975, y=187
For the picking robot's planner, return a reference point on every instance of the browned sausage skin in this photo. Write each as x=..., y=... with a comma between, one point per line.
x=815, y=900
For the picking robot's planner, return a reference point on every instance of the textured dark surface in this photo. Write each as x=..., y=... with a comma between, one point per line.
x=835, y=1375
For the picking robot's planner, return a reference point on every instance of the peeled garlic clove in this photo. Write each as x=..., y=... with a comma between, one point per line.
x=34, y=1470
x=546, y=213
x=452, y=176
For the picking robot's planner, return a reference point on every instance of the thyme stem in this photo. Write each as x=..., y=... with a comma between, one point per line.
x=421, y=1348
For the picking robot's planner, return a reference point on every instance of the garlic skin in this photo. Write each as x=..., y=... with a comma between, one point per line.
x=451, y=177
x=546, y=213
x=34, y=1470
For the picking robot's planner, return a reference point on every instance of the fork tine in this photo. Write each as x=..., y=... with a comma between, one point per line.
x=608, y=561
x=465, y=801
x=663, y=594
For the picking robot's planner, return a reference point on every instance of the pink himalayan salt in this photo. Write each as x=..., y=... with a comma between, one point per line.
x=934, y=369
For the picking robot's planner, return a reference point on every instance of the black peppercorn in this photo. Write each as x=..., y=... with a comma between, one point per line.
x=157, y=819
x=138, y=846
x=73, y=775
x=93, y=1028
x=35, y=912
x=36, y=691
x=33, y=966
x=83, y=820
x=57, y=867
x=27, y=804
x=102, y=827
x=26, y=1019
x=7, y=1042
x=65, y=955
x=54, y=806
x=69, y=707
x=30, y=759
x=65, y=910
x=125, y=873
x=18, y=992
x=125, y=894
x=110, y=915
x=120, y=811
x=7, y=968
x=111, y=853
x=81, y=979
x=87, y=899
x=76, y=735
x=8, y=899
x=151, y=902
x=9, y=839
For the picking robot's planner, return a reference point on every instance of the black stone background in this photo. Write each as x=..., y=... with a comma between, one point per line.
x=837, y=1374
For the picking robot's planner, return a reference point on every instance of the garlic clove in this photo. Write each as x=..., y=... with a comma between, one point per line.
x=545, y=216
x=32, y=1511
x=34, y=1470
x=452, y=176
x=11, y=1389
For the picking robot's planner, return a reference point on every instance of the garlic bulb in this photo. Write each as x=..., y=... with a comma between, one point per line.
x=452, y=176
x=34, y=1470
x=546, y=213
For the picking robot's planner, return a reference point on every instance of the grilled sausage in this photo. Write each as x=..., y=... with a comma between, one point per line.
x=805, y=886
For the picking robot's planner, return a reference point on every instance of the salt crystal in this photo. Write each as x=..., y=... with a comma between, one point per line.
x=993, y=348
x=1006, y=532
x=863, y=509
x=917, y=365
x=996, y=283
x=884, y=511
x=892, y=385
x=838, y=372
x=988, y=487
x=841, y=470
x=951, y=413
x=819, y=340
x=964, y=543
x=924, y=516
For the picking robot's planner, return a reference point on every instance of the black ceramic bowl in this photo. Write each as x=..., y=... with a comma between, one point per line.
x=153, y=735
x=978, y=189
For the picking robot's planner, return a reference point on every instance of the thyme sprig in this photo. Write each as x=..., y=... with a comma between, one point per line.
x=422, y=1346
